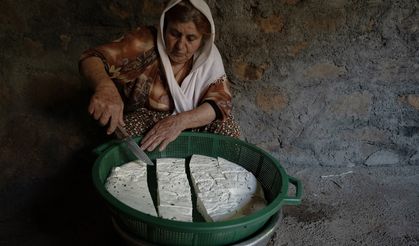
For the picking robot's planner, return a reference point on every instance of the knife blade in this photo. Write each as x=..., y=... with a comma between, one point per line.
x=133, y=146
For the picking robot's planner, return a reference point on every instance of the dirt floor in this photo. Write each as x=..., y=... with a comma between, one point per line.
x=354, y=206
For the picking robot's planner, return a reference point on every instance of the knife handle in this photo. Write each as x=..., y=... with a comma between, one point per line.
x=121, y=132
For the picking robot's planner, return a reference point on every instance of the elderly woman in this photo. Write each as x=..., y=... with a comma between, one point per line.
x=162, y=82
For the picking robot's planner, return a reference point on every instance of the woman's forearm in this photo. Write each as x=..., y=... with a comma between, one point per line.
x=106, y=104
x=200, y=116
x=93, y=70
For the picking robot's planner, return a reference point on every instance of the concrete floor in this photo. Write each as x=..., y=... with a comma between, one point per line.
x=341, y=206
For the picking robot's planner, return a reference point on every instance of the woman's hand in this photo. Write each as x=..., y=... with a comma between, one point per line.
x=169, y=128
x=107, y=107
x=164, y=132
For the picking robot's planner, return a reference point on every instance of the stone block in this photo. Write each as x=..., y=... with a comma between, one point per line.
x=383, y=157
x=296, y=49
x=329, y=22
x=365, y=150
x=324, y=71
x=367, y=134
x=271, y=99
x=409, y=131
x=409, y=28
x=413, y=100
x=337, y=3
x=355, y=105
x=248, y=71
x=272, y=24
x=414, y=160
x=291, y=2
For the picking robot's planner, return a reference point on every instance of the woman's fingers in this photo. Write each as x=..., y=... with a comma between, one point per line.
x=96, y=109
x=164, y=132
x=145, y=140
x=104, y=118
x=107, y=107
x=154, y=144
x=97, y=114
x=91, y=108
x=121, y=118
x=153, y=139
x=164, y=144
x=149, y=140
x=115, y=120
x=113, y=124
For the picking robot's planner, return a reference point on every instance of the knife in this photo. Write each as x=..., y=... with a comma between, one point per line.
x=133, y=146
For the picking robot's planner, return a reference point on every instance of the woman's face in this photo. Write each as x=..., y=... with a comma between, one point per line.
x=182, y=41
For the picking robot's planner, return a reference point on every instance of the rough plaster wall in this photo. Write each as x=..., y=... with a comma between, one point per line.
x=315, y=82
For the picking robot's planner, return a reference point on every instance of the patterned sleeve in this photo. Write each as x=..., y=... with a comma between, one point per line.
x=219, y=97
x=120, y=52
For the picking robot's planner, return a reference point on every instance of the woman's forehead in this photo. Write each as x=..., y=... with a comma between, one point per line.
x=187, y=28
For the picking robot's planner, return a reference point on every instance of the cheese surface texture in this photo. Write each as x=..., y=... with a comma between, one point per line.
x=128, y=183
x=224, y=189
x=173, y=190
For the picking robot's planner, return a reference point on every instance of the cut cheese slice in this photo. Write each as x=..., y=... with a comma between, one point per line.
x=224, y=189
x=128, y=183
x=239, y=180
x=246, y=184
x=173, y=190
x=204, y=172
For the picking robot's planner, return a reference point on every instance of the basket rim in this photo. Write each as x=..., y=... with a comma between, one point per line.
x=263, y=214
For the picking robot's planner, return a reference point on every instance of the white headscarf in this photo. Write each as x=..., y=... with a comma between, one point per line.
x=207, y=64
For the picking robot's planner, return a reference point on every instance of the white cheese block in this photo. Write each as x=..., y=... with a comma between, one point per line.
x=205, y=185
x=169, y=197
x=175, y=213
x=245, y=183
x=224, y=189
x=172, y=165
x=207, y=174
x=204, y=172
x=173, y=190
x=219, y=205
x=229, y=167
x=128, y=183
x=207, y=161
x=239, y=179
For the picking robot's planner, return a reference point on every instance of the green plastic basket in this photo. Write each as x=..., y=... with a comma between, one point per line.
x=266, y=169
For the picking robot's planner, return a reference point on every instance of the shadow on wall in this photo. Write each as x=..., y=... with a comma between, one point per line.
x=47, y=196
x=60, y=210
x=46, y=193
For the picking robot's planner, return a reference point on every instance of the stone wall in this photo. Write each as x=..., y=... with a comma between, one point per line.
x=325, y=82
x=315, y=82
